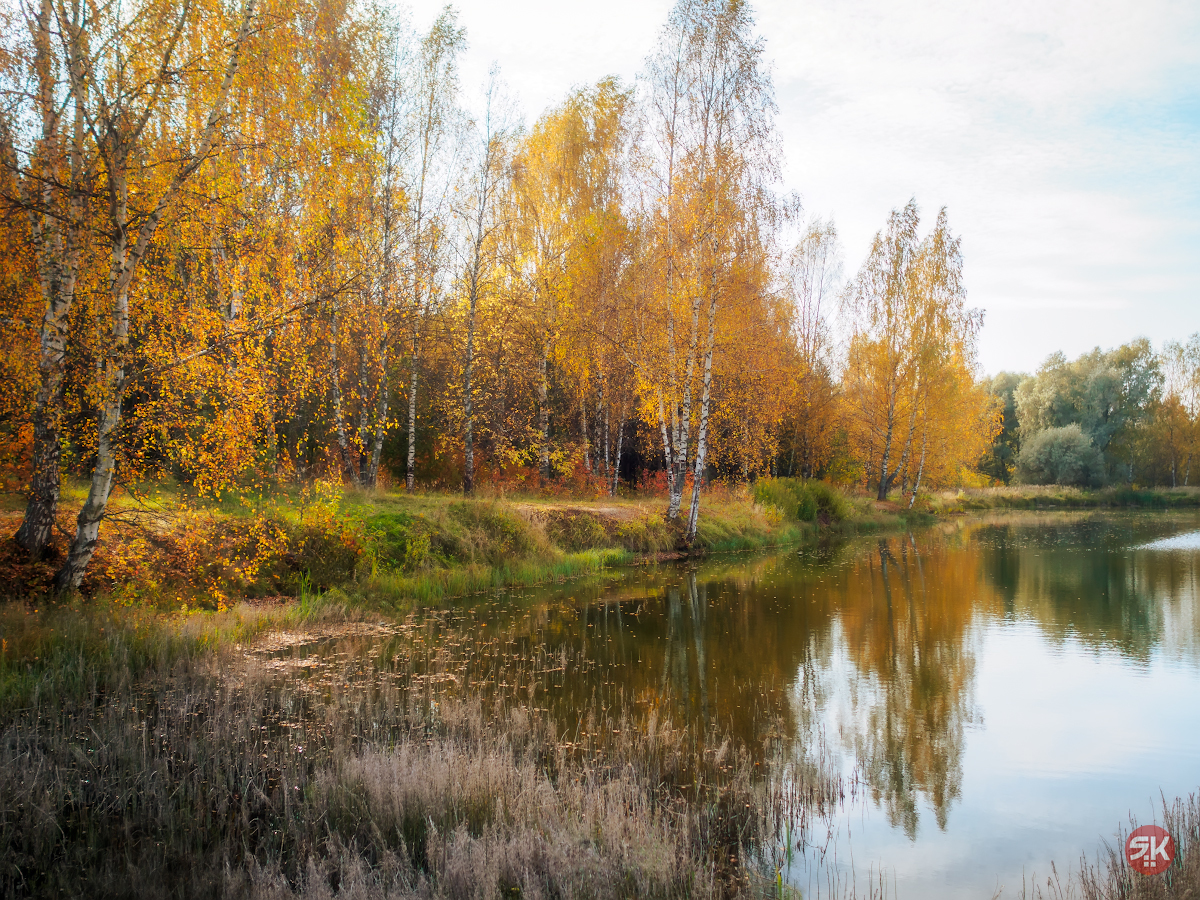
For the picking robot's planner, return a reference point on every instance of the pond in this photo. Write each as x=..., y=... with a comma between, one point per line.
x=1001, y=692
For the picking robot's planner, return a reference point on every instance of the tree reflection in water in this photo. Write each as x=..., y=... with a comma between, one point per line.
x=872, y=645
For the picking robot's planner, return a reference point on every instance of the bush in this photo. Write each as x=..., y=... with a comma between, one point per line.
x=645, y=534
x=1060, y=456
x=800, y=500
x=574, y=531
x=492, y=534
x=402, y=541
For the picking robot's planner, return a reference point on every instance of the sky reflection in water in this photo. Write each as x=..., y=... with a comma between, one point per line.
x=1007, y=691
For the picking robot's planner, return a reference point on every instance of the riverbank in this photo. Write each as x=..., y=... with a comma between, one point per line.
x=1059, y=497
x=394, y=551
x=162, y=747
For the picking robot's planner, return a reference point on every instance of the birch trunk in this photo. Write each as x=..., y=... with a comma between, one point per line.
x=607, y=445
x=87, y=528
x=364, y=416
x=583, y=425
x=57, y=246
x=335, y=391
x=116, y=146
x=543, y=417
x=381, y=417
x=702, y=434
x=920, y=469
x=667, y=451
x=468, y=429
x=410, y=468
x=616, y=469
x=684, y=422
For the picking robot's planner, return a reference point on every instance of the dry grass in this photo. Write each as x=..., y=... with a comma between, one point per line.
x=1109, y=877
x=233, y=773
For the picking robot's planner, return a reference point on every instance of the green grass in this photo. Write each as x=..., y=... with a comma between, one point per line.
x=1061, y=497
x=166, y=548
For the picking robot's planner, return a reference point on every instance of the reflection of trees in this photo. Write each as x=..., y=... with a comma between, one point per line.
x=877, y=638
x=1080, y=577
x=905, y=621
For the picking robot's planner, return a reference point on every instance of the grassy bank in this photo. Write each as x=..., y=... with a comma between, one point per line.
x=1037, y=497
x=395, y=551
x=157, y=764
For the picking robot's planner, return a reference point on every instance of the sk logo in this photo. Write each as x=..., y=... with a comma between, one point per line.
x=1150, y=849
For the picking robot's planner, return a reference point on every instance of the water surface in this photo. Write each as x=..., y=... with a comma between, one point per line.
x=1004, y=693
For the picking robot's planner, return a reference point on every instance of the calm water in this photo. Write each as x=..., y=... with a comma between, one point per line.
x=1005, y=693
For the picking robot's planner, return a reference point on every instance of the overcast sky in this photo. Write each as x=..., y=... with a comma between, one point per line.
x=1064, y=138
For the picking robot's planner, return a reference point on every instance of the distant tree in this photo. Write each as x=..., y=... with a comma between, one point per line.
x=911, y=352
x=1176, y=420
x=1063, y=455
x=812, y=278
x=1001, y=460
x=1109, y=394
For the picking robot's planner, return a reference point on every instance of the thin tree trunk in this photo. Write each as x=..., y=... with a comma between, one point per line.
x=468, y=423
x=57, y=249
x=667, y=451
x=544, y=415
x=920, y=469
x=616, y=469
x=37, y=527
x=604, y=434
x=883, y=462
x=583, y=425
x=607, y=445
x=364, y=419
x=381, y=417
x=410, y=470
x=335, y=390
x=87, y=528
x=702, y=435
x=117, y=146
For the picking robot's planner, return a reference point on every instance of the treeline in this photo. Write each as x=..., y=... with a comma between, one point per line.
x=1129, y=415
x=252, y=240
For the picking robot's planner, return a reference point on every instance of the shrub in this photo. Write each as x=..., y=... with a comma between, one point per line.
x=401, y=541
x=572, y=530
x=493, y=534
x=1060, y=456
x=801, y=500
x=646, y=534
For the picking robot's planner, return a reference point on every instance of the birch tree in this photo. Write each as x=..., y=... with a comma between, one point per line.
x=44, y=146
x=812, y=276
x=124, y=71
x=433, y=128
x=478, y=220
x=710, y=111
x=909, y=327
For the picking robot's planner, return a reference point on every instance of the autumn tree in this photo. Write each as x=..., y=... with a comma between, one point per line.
x=432, y=132
x=133, y=144
x=811, y=278
x=477, y=216
x=51, y=165
x=1177, y=418
x=911, y=335
x=709, y=112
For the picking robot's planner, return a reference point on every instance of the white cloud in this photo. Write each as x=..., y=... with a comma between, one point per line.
x=1057, y=134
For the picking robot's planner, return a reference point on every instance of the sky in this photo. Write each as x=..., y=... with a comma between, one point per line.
x=1063, y=138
